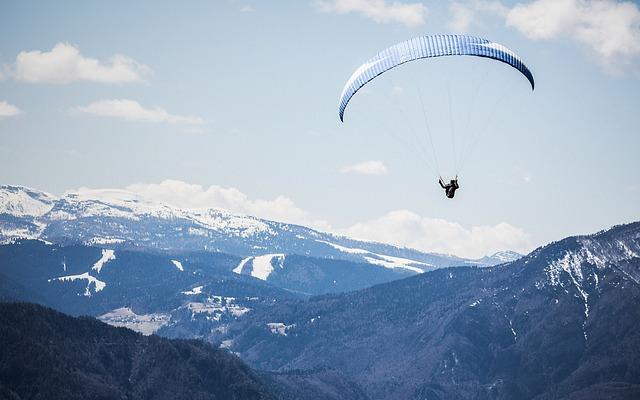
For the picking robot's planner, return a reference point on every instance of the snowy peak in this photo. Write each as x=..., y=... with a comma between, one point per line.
x=499, y=257
x=107, y=203
x=122, y=219
x=581, y=263
x=20, y=201
x=585, y=266
x=506, y=256
x=598, y=251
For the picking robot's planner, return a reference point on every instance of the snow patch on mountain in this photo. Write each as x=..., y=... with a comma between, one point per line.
x=107, y=255
x=261, y=266
x=92, y=282
x=196, y=290
x=178, y=265
x=513, y=331
x=98, y=241
x=279, y=328
x=381, y=259
x=396, y=262
x=238, y=269
x=13, y=234
x=344, y=249
x=475, y=303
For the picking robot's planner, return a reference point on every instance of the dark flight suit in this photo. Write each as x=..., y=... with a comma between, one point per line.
x=450, y=188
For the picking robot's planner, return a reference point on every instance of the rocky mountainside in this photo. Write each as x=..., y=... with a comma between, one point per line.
x=561, y=322
x=48, y=355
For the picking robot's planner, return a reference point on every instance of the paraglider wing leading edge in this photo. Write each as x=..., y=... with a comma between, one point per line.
x=428, y=47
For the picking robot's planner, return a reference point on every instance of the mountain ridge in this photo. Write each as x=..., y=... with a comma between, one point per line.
x=566, y=315
x=127, y=220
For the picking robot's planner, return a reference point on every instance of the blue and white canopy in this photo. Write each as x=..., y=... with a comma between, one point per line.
x=428, y=47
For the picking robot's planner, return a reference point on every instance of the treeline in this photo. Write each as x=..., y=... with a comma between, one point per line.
x=45, y=354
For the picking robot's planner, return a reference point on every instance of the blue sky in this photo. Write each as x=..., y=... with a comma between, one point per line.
x=233, y=104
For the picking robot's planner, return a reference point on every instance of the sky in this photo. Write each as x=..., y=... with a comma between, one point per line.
x=233, y=104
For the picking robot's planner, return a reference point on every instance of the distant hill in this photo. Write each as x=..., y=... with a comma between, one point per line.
x=560, y=323
x=120, y=219
x=186, y=296
x=48, y=355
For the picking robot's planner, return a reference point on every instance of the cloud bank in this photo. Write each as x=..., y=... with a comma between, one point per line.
x=408, y=14
x=406, y=228
x=131, y=110
x=186, y=195
x=64, y=64
x=400, y=227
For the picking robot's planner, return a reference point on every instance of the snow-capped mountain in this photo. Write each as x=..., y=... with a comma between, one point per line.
x=500, y=257
x=122, y=219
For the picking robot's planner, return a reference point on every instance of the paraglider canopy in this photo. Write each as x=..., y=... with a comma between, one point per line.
x=428, y=47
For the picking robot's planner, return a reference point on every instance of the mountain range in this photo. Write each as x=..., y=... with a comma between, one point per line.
x=561, y=322
x=291, y=257
x=321, y=317
x=123, y=219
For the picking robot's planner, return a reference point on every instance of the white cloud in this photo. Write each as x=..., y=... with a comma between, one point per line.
x=462, y=17
x=64, y=64
x=247, y=9
x=408, y=14
x=366, y=168
x=133, y=111
x=185, y=195
x=609, y=29
x=399, y=227
x=465, y=14
x=8, y=110
x=406, y=228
